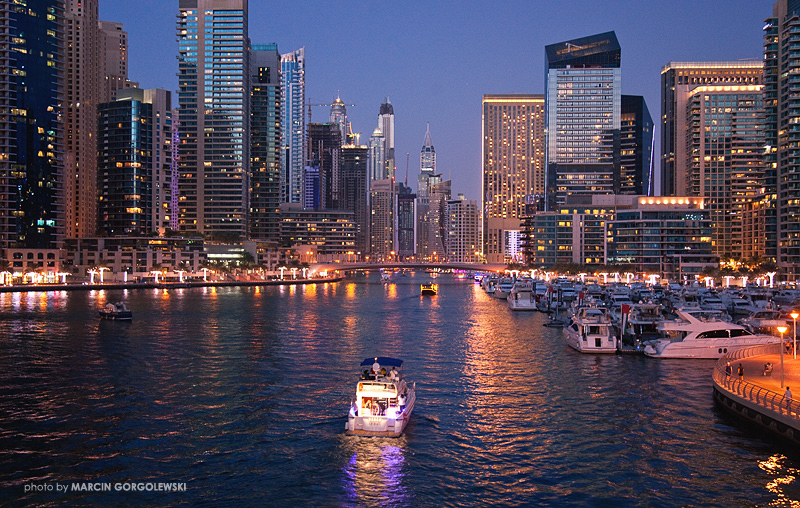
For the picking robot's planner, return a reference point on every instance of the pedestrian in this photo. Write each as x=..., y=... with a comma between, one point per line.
x=728, y=370
x=788, y=396
x=741, y=372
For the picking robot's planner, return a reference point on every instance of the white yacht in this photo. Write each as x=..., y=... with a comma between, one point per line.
x=764, y=321
x=591, y=331
x=522, y=297
x=384, y=400
x=693, y=336
x=504, y=287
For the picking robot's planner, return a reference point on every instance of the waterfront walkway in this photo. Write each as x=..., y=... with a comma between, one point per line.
x=759, y=398
x=161, y=285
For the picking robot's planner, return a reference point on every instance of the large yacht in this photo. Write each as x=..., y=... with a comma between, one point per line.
x=693, y=336
x=384, y=400
x=591, y=331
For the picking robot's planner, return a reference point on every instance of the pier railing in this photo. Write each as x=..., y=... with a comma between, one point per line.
x=764, y=397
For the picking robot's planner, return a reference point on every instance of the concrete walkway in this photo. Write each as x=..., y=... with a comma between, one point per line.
x=754, y=368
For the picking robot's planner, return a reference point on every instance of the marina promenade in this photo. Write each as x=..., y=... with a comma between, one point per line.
x=761, y=398
x=162, y=285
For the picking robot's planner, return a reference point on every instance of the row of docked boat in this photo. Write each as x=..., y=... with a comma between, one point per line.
x=665, y=323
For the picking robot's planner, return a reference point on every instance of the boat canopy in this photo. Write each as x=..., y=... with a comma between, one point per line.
x=384, y=361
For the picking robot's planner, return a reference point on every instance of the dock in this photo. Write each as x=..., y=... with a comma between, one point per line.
x=759, y=398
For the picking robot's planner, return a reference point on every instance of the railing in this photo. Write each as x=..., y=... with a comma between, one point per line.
x=768, y=399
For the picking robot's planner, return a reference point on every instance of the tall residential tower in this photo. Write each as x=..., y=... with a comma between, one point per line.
x=214, y=100
x=293, y=124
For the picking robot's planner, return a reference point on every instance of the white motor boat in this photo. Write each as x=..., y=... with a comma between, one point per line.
x=384, y=400
x=591, y=331
x=522, y=297
x=690, y=336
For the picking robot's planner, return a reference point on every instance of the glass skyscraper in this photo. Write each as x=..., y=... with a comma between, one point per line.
x=32, y=205
x=214, y=99
x=265, y=142
x=293, y=124
x=583, y=109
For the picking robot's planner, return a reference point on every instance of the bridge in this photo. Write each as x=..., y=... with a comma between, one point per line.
x=389, y=265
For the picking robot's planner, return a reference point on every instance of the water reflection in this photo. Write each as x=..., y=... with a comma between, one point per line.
x=783, y=479
x=375, y=474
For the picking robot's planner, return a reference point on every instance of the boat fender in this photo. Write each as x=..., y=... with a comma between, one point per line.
x=360, y=386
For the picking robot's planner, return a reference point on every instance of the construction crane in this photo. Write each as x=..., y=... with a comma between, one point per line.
x=326, y=104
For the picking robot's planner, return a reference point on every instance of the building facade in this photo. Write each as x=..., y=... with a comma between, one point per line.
x=214, y=100
x=462, y=236
x=265, y=142
x=382, y=219
x=324, y=153
x=513, y=158
x=353, y=191
x=678, y=79
x=32, y=179
x=333, y=232
x=405, y=244
x=725, y=146
x=636, y=147
x=386, y=123
x=583, y=110
x=782, y=135
x=293, y=124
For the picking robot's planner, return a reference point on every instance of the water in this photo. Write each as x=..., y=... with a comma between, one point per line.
x=242, y=394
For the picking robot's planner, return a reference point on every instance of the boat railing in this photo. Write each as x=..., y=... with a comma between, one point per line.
x=764, y=397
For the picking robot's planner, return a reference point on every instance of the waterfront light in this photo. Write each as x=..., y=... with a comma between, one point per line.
x=91, y=276
x=282, y=269
x=782, y=330
x=101, y=269
x=771, y=276
x=794, y=315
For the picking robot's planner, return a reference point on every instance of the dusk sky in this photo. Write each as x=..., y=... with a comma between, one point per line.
x=436, y=59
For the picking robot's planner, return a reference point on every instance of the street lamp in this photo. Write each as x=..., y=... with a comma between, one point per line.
x=782, y=330
x=794, y=315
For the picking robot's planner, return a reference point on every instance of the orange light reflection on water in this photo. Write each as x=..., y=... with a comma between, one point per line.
x=783, y=477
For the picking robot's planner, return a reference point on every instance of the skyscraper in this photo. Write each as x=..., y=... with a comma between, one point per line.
x=427, y=165
x=583, y=108
x=513, y=164
x=353, y=190
x=114, y=57
x=386, y=123
x=782, y=136
x=636, y=147
x=725, y=143
x=382, y=219
x=83, y=92
x=338, y=117
x=214, y=99
x=293, y=124
x=32, y=201
x=377, y=161
x=324, y=153
x=265, y=142
x=462, y=231
x=678, y=79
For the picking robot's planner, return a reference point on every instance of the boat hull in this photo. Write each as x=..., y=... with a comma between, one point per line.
x=380, y=426
x=116, y=316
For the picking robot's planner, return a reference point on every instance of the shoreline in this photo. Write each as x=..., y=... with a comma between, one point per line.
x=46, y=288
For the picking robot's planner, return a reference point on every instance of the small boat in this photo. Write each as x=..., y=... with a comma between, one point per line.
x=522, y=297
x=116, y=311
x=429, y=289
x=384, y=400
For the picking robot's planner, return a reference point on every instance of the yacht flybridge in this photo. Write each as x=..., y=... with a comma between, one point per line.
x=384, y=400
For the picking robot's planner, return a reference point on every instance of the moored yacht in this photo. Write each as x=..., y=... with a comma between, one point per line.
x=591, y=331
x=693, y=337
x=522, y=297
x=384, y=400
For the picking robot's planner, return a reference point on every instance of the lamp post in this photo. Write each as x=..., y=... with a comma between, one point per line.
x=782, y=330
x=794, y=315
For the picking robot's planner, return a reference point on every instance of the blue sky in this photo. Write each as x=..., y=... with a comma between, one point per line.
x=436, y=59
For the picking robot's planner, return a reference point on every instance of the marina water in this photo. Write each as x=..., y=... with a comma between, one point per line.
x=241, y=394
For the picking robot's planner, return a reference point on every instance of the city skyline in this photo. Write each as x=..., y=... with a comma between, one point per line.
x=436, y=63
